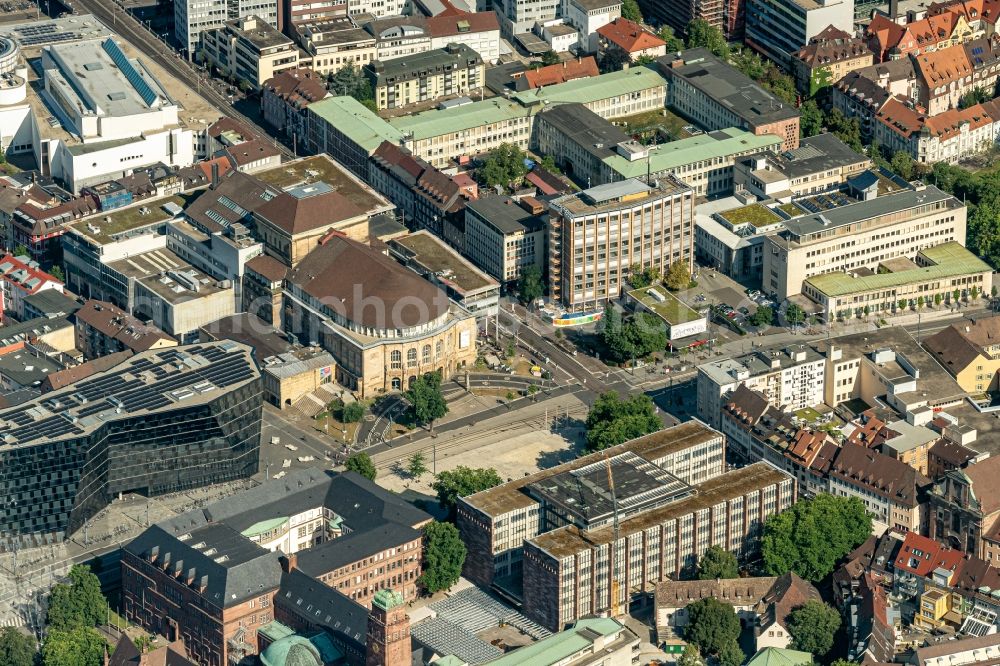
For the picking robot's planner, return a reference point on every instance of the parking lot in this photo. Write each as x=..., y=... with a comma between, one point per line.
x=729, y=301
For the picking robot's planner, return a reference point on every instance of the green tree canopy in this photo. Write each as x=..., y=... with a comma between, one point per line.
x=678, y=276
x=763, y=316
x=674, y=43
x=351, y=81
x=529, y=285
x=846, y=129
x=352, y=412
x=462, y=482
x=444, y=555
x=362, y=464
x=717, y=562
x=613, y=420
x=902, y=163
x=78, y=603
x=416, y=466
x=614, y=60
x=812, y=535
x=712, y=625
x=701, y=33
x=426, y=398
x=811, y=120
x=504, y=166
x=794, y=314
x=16, y=648
x=631, y=11
x=731, y=654
x=550, y=57
x=813, y=626
x=79, y=646
x=691, y=656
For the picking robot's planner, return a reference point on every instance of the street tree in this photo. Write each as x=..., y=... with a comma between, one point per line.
x=712, y=625
x=794, y=314
x=812, y=535
x=16, y=648
x=352, y=412
x=78, y=603
x=613, y=420
x=462, y=482
x=901, y=304
x=444, y=555
x=79, y=646
x=718, y=562
x=813, y=627
x=956, y=295
x=427, y=399
x=416, y=466
x=937, y=299
x=529, y=285
x=678, y=276
x=504, y=166
x=362, y=464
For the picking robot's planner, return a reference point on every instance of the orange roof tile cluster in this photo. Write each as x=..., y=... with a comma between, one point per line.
x=629, y=36
x=972, y=10
x=939, y=68
x=886, y=36
x=560, y=73
x=908, y=120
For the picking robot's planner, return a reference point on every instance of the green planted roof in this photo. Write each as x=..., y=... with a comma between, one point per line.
x=675, y=154
x=590, y=89
x=458, y=118
x=670, y=309
x=355, y=121
x=950, y=260
x=558, y=647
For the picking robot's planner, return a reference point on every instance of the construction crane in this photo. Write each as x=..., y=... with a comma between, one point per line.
x=615, y=585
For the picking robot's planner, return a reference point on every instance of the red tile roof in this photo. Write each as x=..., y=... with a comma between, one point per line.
x=454, y=23
x=920, y=556
x=559, y=73
x=629, y=36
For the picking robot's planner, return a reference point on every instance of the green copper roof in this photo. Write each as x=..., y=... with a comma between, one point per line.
x=264, y=526
x=950, y=260
x=558, y=647
x=356, y=122
x=674, y=154
x=458, y=118
x=386, y=599
x=780, y=657
x=298, y=650
x=592, y=88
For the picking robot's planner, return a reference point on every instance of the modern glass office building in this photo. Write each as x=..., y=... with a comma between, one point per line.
x=162, y=421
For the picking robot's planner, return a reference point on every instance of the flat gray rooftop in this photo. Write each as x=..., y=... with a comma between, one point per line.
x=103, y=78
x=729, y=87
x=862, y=210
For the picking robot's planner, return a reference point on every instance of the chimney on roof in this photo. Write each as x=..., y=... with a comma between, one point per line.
x=893, y=10
x=289, y=562
x=215, y=175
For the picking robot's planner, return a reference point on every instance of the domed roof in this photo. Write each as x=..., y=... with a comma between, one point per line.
x=292, y=650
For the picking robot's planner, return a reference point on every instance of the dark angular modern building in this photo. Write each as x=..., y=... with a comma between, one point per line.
x=162, y=421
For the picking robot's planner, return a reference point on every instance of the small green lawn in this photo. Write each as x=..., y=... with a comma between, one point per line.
x=808, y=414
x=755, y=214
